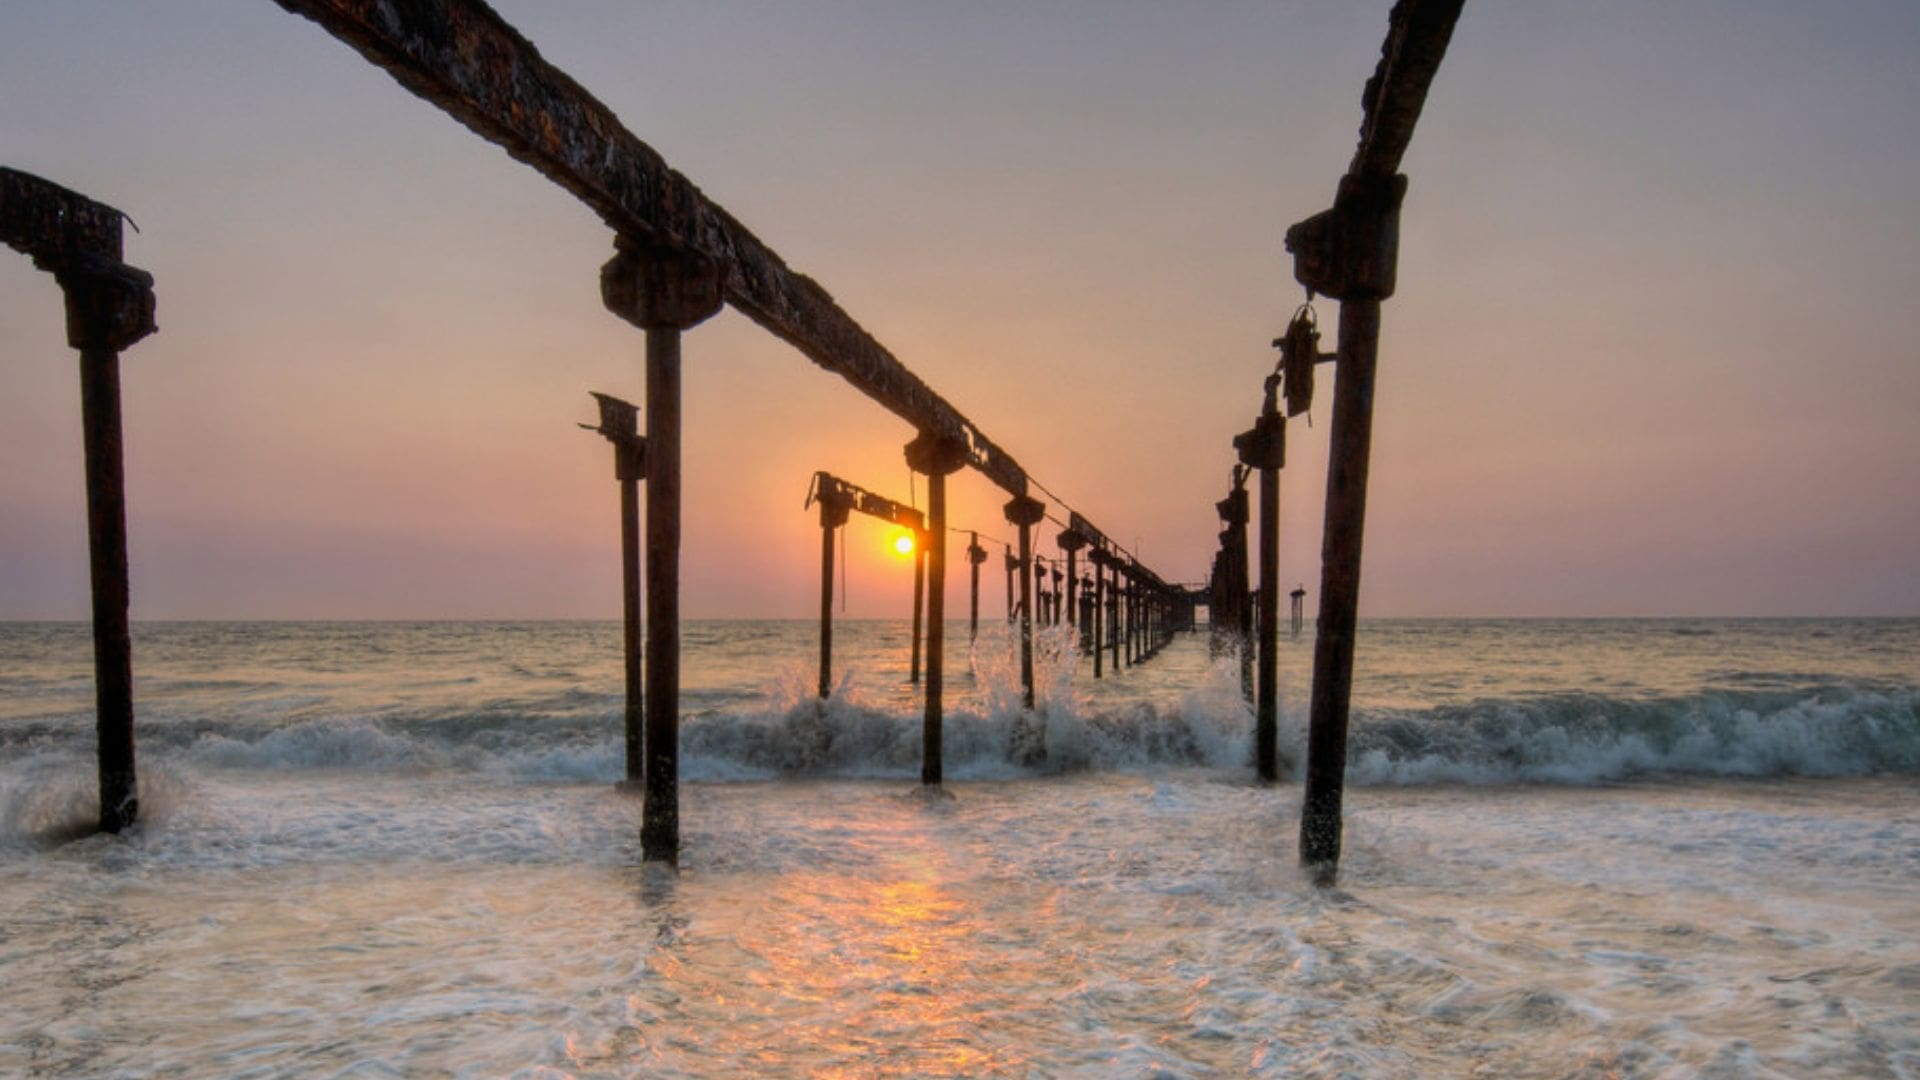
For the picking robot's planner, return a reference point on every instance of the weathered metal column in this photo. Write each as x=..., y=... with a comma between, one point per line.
x=1233, y=511
x=1348, y=253
x=936, y=457
x=91, y=319
x=110, y=306
x=919, y=602
x=1013, y=611
x=835, y=507
x=1071, y=542
x=620, y=425
x=1039, y=576
x=1133, y=615
x=664, y=293
x=1086, y=614
x=1098, y=621
x=975, y=556
x=1026, y=512
x=1264, y=448
x=1349, y=455
x=1113, y=614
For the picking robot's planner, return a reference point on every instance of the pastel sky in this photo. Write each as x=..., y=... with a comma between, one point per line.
x=1654, y=350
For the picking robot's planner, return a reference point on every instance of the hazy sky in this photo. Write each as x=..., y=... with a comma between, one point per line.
x=1653, y=352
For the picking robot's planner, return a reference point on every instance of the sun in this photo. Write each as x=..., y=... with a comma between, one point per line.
x=903, y=544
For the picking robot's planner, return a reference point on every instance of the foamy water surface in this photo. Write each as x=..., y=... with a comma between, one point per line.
x=1609, y=849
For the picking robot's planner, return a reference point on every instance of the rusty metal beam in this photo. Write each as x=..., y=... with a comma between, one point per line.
x=56, y=227
x=463, y=57
x=1416, y=42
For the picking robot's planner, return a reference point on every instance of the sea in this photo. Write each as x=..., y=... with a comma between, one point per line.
x=1590, y=848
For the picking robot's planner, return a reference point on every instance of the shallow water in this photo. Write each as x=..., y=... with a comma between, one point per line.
x=1096, y=924
x=395, y=850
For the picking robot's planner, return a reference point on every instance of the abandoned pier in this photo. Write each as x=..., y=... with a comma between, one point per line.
x=678, y=259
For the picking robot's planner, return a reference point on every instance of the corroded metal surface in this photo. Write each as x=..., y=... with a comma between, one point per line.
x=1417, y=35
x=463, y=57
x=53, y=225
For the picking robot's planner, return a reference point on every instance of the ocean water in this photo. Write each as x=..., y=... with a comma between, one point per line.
x=1580, y=848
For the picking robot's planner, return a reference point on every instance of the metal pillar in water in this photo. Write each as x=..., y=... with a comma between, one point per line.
x=1025, y=513
x=975, y=556
x=663, y=293
x=835, y=508
x=109, y=307
x=919, y=602
x=620, y=425
x=1263, y=448
x=936, y=457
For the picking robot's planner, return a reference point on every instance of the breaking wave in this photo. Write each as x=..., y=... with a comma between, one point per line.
x=1834, y=730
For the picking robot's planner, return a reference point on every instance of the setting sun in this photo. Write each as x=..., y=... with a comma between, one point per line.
x=903, y=544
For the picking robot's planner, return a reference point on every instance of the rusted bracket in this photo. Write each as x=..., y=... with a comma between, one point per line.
x=1263, y=446
x=830, y=490
x=110, y=305
x=1024, y=511
x=1085, y=528
x=1351, y=251
x=464, y=58
x=1299, y=352
x=620, y=425
x=1233, y=508
x=659, y=288
x=931, y=453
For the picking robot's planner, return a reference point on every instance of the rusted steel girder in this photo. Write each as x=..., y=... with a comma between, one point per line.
x=1417, y=35
x=463, y=57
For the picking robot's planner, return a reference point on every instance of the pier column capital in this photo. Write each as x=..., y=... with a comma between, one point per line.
x=110, y=305
x=658, y=289
x=932, y=453
x=1023, y=511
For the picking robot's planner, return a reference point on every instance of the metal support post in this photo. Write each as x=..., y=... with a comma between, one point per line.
x=664, y=293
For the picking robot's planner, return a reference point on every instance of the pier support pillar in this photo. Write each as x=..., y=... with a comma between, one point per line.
x=1351, y=448
x=919, y=604
x=1013, y=609
x=109, y=307
x=936, y=458
x=1264, y=448
x=663, y=293
x=834, y=510
x=1097, y=620
x=620, y=425
x=1071, y=541
x=975, y=556
x=1025, y=513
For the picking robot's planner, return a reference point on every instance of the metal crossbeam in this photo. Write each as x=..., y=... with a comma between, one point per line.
x=1417, y=35
x=463, y=57
x=828, y=488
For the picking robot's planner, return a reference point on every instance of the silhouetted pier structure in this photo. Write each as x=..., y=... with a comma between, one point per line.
x=110, y=306
x=838, y=499
x=620, y=425
x=678, y=257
